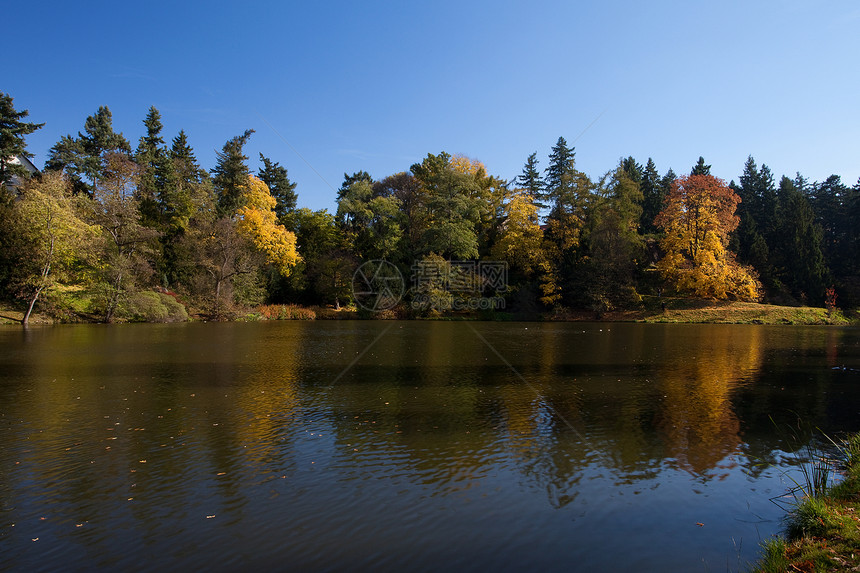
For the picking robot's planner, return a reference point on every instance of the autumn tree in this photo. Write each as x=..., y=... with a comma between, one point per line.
x=521, y=240
x=54, y=235
x=453, y=207
x=13, y=129
x=257, y=222
x=698, y=216
x=127, y=246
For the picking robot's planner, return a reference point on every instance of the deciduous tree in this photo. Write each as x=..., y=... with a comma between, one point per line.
x=697, y=218
x=49, y=221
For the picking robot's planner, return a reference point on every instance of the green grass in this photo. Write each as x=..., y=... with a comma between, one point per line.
x=822, y=531
x=697, y=311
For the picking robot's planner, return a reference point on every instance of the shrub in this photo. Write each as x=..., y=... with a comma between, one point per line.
x=149, y=306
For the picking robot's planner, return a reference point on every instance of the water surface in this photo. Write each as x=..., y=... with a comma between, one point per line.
x=407, y=445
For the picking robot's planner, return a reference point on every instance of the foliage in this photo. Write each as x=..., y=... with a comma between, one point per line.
x=155, y=219
x=83, y=157
x=149, y=306
x=13, y=129
x=126, y=246
x=452, y=204
x=521, y=238
x=258, y=224
x=55, y=236
x=697, y=218
x=286, y=312
x=282, y=189
x=530, y=180
x=231, y=174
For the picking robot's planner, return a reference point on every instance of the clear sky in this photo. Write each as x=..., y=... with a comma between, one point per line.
x=378, y=85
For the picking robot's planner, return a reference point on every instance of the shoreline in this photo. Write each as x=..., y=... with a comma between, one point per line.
x=678, y=311
x=822, y=528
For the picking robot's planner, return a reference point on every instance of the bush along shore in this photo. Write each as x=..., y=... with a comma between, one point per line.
x=822, y=526
x=163, y=306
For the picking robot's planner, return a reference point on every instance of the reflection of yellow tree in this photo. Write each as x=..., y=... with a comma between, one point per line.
x=696, y=416
x=269, y=395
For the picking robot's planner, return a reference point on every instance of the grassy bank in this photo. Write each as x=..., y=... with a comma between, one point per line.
x=743, y=313
x=823, y=528
x=676, y=311
x=720, y=312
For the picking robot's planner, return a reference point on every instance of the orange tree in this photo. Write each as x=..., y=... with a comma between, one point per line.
x=697, y=217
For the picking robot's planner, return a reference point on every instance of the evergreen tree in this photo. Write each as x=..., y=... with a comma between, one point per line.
x=830, y=200
x=276, y=179
x=12, y=144
x=530, y=179
x=231, y=174
x=151, y=157
x=614, y=244
x=652, y=197
x=668, y=181
x=632, y=169
x=700, y=168
x=558, y=172
x=754, y=236
x=186, y=194
x=798, y=260
x=343, y=217
x=83, y=157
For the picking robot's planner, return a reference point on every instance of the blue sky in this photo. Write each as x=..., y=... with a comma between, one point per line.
x=378, y=85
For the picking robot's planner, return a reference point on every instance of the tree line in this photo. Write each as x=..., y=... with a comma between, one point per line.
x=146, y=233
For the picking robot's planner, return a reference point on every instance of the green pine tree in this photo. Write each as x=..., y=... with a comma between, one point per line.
x=700, y=168
x=798, y=259
x=530, y=179
x=12, y=144
x=558, y=172
x=151, y=157
x=282, y=189
x=230, y=174
x=652, y=197
x=83, y=157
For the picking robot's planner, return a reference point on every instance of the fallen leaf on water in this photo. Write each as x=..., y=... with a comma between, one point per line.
x=35, y=539
x=700, y=524
x=209, y=516
x=221, y=473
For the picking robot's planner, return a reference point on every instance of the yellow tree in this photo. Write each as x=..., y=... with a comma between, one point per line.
x=521, y=237
x=50, y=224
x=697, y=217
x=257, y=223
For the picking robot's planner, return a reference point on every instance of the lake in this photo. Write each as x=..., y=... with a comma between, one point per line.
x=420, y=446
